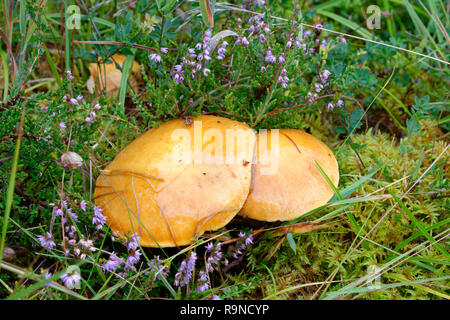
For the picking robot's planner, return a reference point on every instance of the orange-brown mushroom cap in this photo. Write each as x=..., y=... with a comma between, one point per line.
x=177, y=181
x=286, y=182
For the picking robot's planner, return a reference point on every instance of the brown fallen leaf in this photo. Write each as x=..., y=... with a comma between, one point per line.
x=107, y=72
x=302, y=228
x=275, y=247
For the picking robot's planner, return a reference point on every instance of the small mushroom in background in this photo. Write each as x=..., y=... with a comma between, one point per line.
x=108, y=73
x=9, y=254
x=286, y=183
x=178, y=180
x=70, y=160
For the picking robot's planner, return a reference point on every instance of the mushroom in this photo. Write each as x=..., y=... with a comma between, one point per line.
x=286, y=182
x=178, y=180
x=108, y=73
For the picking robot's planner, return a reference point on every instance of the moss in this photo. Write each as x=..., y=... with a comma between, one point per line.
x=320, y=252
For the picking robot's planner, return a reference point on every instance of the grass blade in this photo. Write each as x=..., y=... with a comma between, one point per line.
x=207, y=14
x=126, y=68
x=11, y=185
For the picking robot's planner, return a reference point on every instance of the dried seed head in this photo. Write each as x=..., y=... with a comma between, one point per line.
x=70, y=161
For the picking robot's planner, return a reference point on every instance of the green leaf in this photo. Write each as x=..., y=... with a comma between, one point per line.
x=412, y=125
x=291, y=242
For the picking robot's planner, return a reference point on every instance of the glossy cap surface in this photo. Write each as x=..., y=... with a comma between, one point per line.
x=286, y=182
x=179, y=180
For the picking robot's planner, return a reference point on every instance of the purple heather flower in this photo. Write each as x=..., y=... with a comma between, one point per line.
x=72, y=214
x=112, y=264
x=83, y=205
x=57, y=212
x=261, y=38
x=259, y=3
x=249, y=240
x=178, y=76
x=318, y=87
x=284, y=80
x=91, y=118
x=86, y=244
x=47, y=241
x=79, y=98
x=184, y=273
x=206, y=71
x=214, y=257
x=281, y=59
x=133, y=243
x=289, y=44
x=266, y=29
x=239, y=250
x=62, y=126
x=269, y=56
x=307, y=33
x=192, y=53
x=155, y=57
x=203, y=284
x=330, y=106
x=221, y=51
x=339, y=103
x=132, y=259
x=319, y=26
x=73, y=101
x=209, y=246
x=97, y=107
x=164, y=50
x=99, y=219
x=324, y=76
x=245, y=41
x=69, y=74
x=71, y=280
x=47, y=276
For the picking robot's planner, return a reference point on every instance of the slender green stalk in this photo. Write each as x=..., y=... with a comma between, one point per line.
x=52, y=65
x=11, y=185
x=5, y=74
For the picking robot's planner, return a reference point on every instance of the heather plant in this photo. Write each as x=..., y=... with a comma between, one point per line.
x=380, y=102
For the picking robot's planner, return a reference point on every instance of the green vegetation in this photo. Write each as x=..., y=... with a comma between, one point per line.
x=378, y=97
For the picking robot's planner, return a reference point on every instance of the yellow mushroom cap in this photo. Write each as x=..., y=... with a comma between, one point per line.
x=286, y=182
x=181, y=179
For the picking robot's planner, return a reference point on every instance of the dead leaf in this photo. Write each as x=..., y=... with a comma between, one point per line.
x=302, y=228
x=275, y=247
